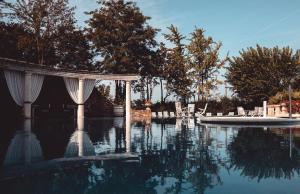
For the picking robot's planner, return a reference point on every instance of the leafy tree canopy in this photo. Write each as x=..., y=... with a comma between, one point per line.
x=121, y=35
x=176, y=67
x=261, y=72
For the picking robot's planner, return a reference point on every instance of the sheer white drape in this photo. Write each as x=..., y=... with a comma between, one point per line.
x=16, y=84
x=72, y=85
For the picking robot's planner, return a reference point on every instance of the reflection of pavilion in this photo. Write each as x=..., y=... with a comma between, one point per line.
x=24, y=148
x=80, y=144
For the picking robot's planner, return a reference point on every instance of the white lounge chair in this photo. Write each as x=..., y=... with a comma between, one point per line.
x=219, y=114
x=260, y=111
x=153, y=115
x=159, y=115
x=191, y=110
x=241, y=111
x=208, y=114
x=165, y=114
x=172, y=114
x=231, y=114
x=202, y=111
x=179, y=111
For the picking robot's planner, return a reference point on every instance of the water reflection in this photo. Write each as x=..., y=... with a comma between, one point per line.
x=261, y=154
x=174, y=156
x=24, y=148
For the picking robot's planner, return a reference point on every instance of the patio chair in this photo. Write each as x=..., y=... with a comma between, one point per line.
x=153, y=115
x=208, y=114
x=179, y=110
x=159, y=115
x=231, y=114
x=260, y=111
x=201, y=111
x=241, y=111
x=219, y=114
x=191, y=110
x=165, y=114
x=172, y=114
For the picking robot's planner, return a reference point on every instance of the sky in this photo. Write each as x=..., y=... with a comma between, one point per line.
x=238, y=24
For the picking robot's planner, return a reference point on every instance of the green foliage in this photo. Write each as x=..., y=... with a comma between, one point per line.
x=176, y=67
x=259, y=73
x=42, y=19
x=104, y=90
x=12, y=37
x=121, y=35
x=45, y=33
x=204, y=61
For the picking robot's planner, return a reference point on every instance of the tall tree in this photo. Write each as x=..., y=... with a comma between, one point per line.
x=204, y=61
x=121, y=35
x=176, y=67
x=42, y=19
x=12, y=38
x=259, y=73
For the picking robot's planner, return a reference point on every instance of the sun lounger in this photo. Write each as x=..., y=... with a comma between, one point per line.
x=165, y=114
x=241, y=111
x=153, y=115
x=219, y=114
x=208, y=114
x=159, y=115
x=179, y=110
x=172, y=114
x=191, y=110
x=231, y=114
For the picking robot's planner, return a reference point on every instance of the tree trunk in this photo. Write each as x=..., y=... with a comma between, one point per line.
x=147, y=88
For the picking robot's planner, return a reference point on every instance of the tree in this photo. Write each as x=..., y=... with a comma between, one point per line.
x=259, y=73
x=121, y=35
x=12, y=37
x=73, y=50
x=176, y=65
x=42, y=19
x=204, y=61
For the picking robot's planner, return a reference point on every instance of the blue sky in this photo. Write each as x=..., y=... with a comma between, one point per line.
x=237, y=24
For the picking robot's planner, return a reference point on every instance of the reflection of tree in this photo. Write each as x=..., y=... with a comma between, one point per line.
x=92, y=177
x=185, y=160
x=259, y=154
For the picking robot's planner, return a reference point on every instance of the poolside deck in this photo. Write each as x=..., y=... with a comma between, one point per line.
x=249, y=120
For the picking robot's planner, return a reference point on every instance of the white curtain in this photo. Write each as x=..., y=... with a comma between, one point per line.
x=16, y=84
x=72, y=85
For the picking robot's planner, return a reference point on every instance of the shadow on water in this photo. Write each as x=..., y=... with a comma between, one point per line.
x=163, y=156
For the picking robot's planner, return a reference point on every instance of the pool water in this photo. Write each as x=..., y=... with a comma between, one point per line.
x=162, y=156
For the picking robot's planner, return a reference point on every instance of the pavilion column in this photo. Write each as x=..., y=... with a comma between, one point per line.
x=128, y=116
x=80, y=110
x=27, y=95
x=128, y=99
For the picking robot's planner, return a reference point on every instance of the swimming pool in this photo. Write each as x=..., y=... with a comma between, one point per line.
x=162, y=156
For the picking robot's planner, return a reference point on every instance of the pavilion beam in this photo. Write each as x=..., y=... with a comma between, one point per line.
x=27, y=96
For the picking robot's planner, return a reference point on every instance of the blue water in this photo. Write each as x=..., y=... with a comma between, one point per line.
x=170, y=156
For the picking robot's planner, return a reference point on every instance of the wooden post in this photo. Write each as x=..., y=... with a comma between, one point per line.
x=27, y=96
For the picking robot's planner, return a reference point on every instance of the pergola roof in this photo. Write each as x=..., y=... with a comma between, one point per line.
x=16, y=65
